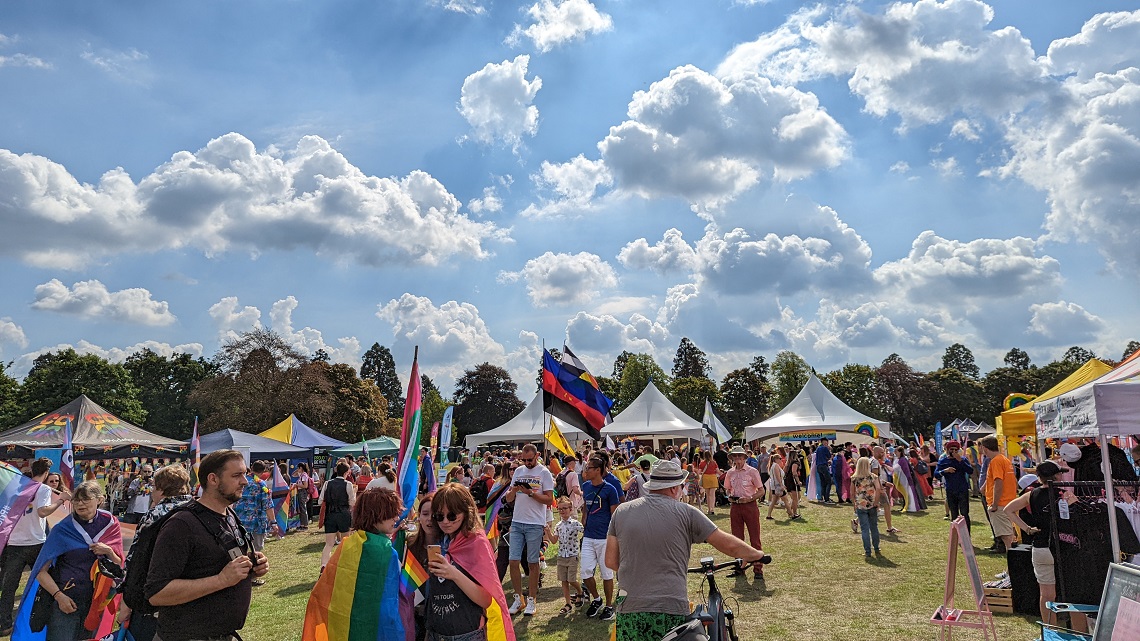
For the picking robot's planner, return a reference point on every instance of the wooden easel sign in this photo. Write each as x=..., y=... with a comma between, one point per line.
x=947, y=617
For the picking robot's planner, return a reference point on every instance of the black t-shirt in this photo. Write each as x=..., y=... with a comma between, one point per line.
x=1037, y=515
x=188, y=547
x=450, y=611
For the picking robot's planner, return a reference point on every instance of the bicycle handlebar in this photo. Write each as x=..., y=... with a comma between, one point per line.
x=734, y=563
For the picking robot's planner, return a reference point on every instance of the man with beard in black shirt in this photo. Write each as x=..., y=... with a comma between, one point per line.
x=203, y=565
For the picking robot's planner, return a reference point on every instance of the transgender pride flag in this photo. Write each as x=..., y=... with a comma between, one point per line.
x=16, y=494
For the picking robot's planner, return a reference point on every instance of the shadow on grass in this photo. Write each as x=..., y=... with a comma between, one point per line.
x=299, y=588
x=312, y=547
x=880, y=561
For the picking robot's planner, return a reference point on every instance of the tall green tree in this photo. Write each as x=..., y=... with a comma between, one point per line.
x=1132, y=348
x=855, y=385
x=262, y=379
x=379, y=367
x=1078, y=355
x=485, y=398
x=689, y=395
x=760, y=368
x=619, y=363
x=957, y=395
x=904, y=394
x=358, y=409
x=744, y=398
x=959, y=357
x=1017, y=359
x=1003, y=381
x=164, y=387
x=690, y=361
x=789, y=375
x=9, y=397
x=56, y=378
x=639, y=369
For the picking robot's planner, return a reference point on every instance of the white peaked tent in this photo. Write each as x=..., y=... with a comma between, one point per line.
x=815, y=407
x=530, y=425
x=651, y=415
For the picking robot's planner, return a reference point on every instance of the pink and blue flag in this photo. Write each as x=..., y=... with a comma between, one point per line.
x=67, y=459
x=16, y=494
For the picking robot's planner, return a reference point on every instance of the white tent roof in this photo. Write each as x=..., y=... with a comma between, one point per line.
x=815, y=407
x=529, y=425
x=653, y=415
x=1109, y=405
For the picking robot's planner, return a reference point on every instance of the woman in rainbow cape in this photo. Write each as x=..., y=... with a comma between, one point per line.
x=465, y=599
x=357, y=597
x=912, y=499
x=68, y=569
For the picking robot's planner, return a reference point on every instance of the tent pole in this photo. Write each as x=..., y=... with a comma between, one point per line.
x=1110, y=498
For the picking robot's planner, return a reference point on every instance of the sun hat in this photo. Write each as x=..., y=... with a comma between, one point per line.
x=1070, y=452
x=736, y=449
x=666, y=474
x=1026, y=480
x=954, y=444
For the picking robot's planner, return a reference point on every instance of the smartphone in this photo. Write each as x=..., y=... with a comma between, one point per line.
x=522, y=484
x=434, y=553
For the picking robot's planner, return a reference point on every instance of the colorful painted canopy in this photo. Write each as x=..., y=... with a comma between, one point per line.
x=95, y=434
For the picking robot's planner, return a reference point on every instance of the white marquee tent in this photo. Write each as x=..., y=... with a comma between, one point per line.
x=815, y=408
x=651, y=415
x=530, y=426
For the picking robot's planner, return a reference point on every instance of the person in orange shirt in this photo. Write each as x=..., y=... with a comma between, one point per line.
x=1001, y=488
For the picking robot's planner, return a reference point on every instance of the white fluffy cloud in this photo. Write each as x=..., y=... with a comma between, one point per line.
x=669, y=254
x=923, y=60
x=564, y=279
x=706, y=140
x=1063, y=322
x=231, y=321
x=91, y=299
x=12, y=334
x=556, y=23
x=498, y=102
x=606, y=334
x=309, y=341
x=453, y=333
x=229, y=196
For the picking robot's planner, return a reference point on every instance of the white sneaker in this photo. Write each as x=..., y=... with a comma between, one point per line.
x=516, y=605
x=530, y=607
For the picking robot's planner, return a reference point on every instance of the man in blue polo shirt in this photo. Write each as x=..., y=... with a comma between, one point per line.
x=599, y=502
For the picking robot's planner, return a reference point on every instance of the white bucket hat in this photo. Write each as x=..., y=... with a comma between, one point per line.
x=666, y=474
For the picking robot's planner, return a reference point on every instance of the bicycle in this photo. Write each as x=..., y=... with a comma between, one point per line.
x=712, y=620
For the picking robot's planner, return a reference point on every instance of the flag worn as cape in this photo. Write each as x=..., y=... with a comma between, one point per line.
x=16, y=493
x=65, y=537
x=558, y=439
x=427, y=471
x=357, y=598
x=494, y=503
x=280, y=495
x=473, y=553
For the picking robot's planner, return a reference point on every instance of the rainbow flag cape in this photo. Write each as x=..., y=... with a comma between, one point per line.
x=357, y=598
x=16, y=494
x=494, y=503
x=65, y=537
x=473, y=553
x=280, y=495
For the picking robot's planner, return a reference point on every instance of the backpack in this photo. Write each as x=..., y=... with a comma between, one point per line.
x=922, y=467
x=479, y=491
x=560, y=488
x=133, y=587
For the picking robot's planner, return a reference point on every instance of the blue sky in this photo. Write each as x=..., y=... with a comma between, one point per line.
x=845, y=180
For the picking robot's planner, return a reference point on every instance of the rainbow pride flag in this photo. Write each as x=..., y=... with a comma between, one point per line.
x=414, y=573
x=357, y=598
x=280, y=496
x=16, y=494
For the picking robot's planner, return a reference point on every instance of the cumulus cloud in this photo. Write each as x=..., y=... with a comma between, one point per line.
x=1108, y=42
x=607, y=334
x=573, y=184
x=229, y=196
x=453, y=333
x=947, y=167
x=231, y=321
x=563, y=279
x=309, y=341
x=91, y=299
x=965, y=129
x=1063, y=322
x=923, y=60
x=497, y=101
x=12, y=334
x=556, y=23
x=669, y=254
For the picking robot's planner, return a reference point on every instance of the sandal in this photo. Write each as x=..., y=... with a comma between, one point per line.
x=893, y=530
x=566, y=609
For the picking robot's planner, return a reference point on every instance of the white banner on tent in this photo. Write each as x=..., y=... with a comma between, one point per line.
x=1071, y=417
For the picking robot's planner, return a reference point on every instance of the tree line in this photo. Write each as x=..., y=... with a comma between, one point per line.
x=256, y=380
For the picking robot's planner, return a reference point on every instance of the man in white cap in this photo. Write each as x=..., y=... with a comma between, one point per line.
x=744, y=487
x=649, y=542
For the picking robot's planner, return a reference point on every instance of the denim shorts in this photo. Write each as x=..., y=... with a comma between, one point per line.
x=529, y=535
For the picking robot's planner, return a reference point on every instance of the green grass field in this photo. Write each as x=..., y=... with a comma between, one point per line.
x=819, y=586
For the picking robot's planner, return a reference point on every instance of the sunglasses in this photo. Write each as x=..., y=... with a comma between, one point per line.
x=527, y=461
x=439, y=517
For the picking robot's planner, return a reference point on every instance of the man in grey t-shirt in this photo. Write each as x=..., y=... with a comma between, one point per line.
x=649, y=542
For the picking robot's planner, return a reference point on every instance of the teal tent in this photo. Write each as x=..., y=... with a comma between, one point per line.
x=377, y=447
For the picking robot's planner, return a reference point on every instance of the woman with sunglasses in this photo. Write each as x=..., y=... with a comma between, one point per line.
x=426, y=534
x=465, y=598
